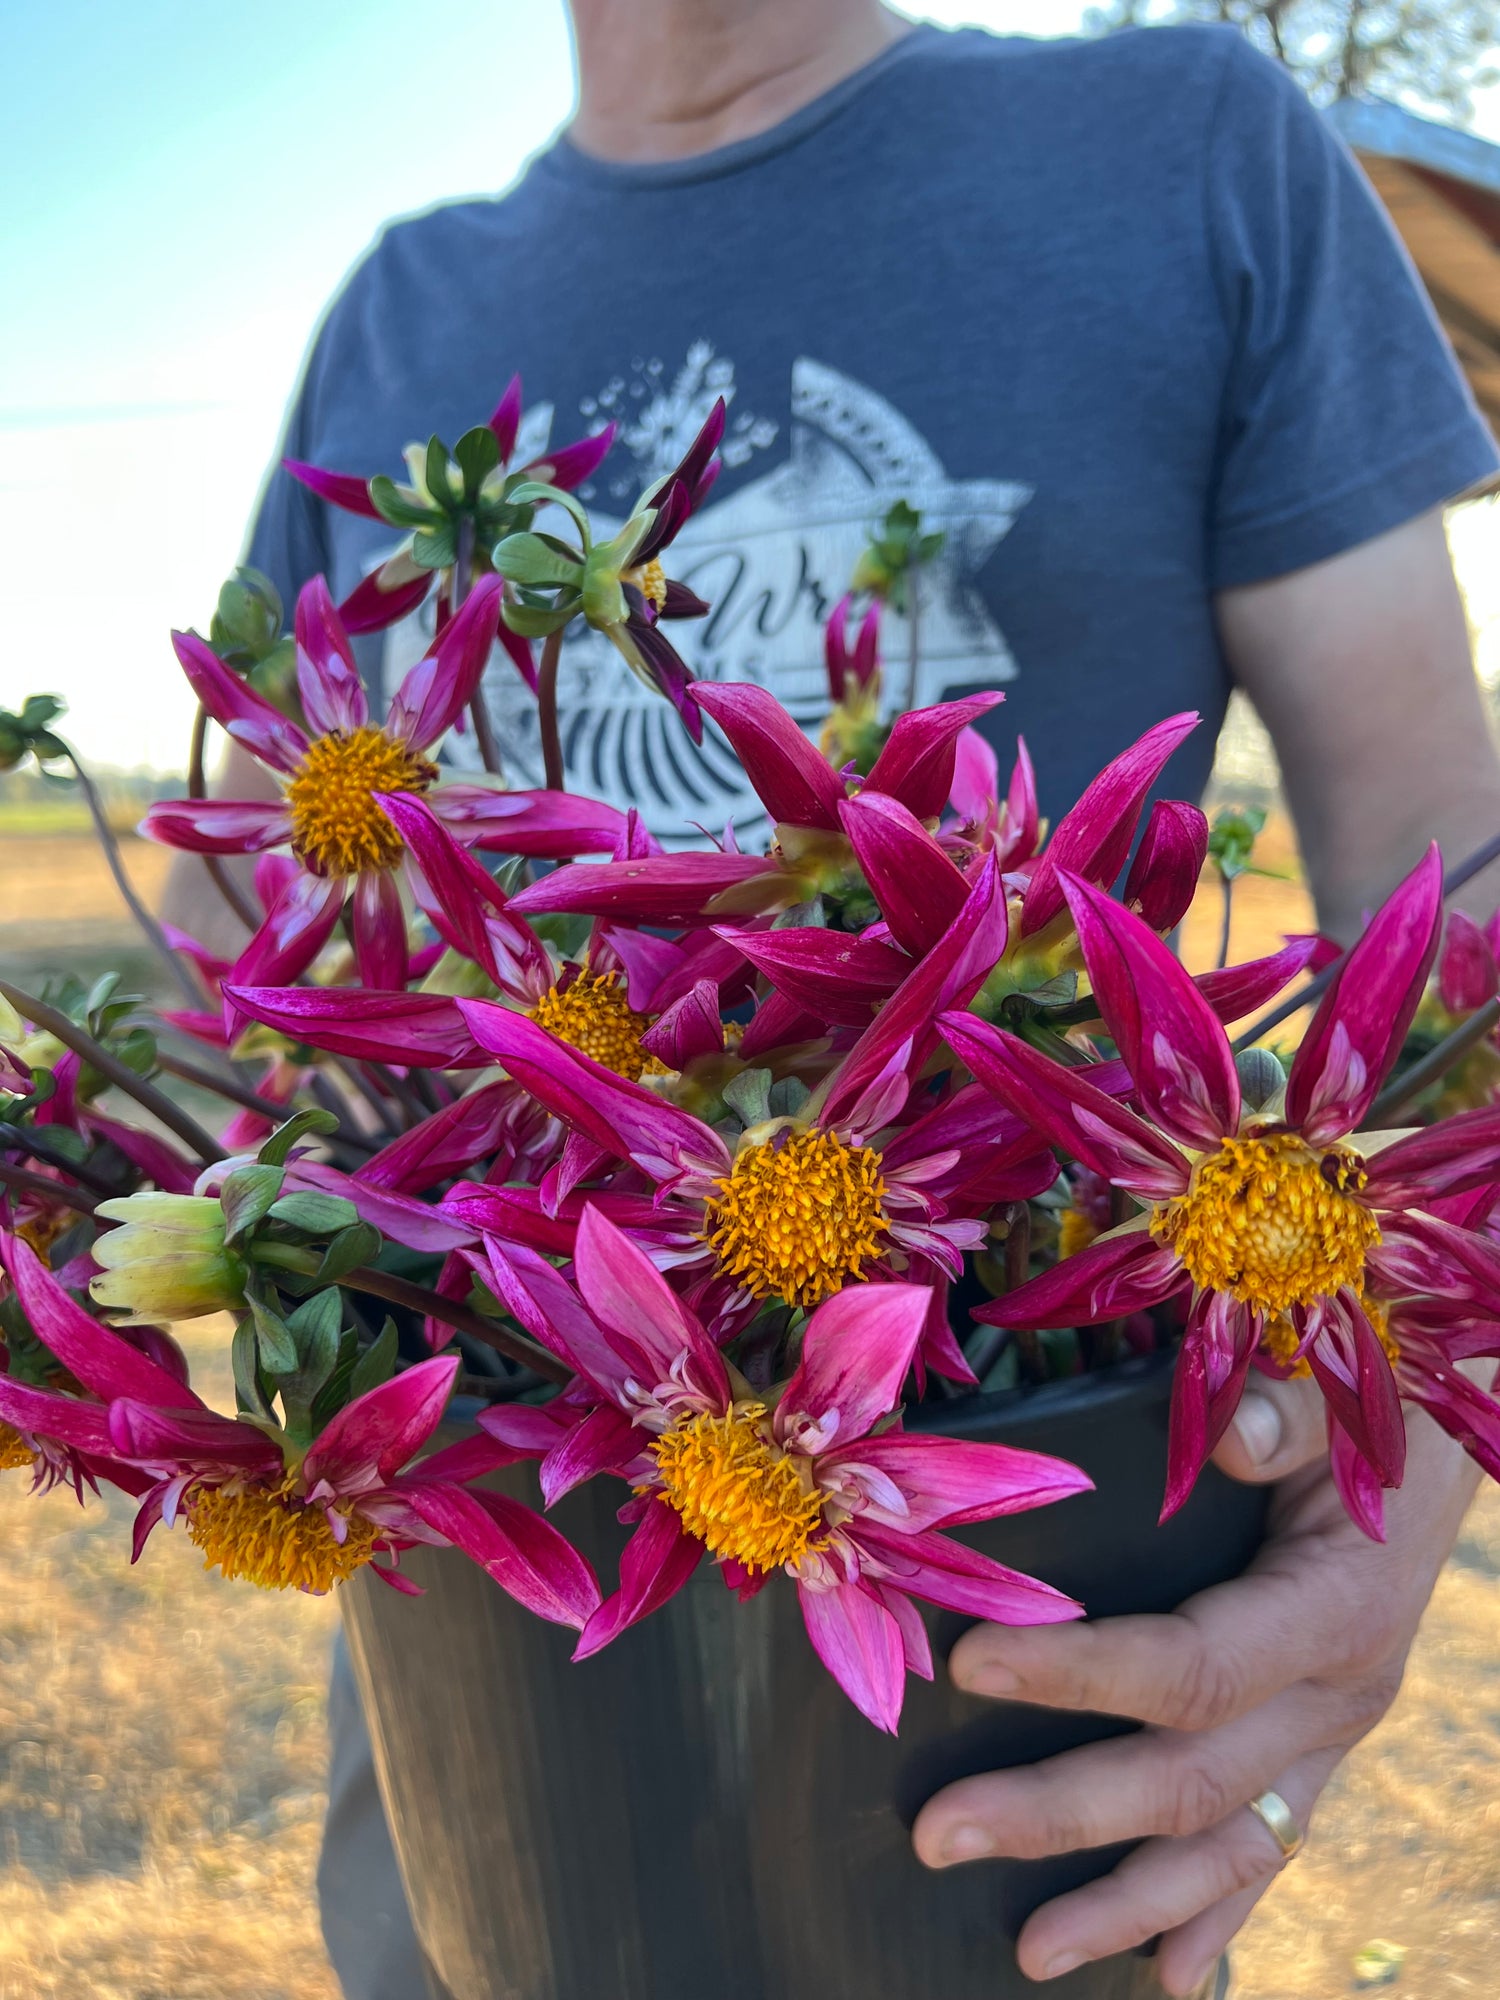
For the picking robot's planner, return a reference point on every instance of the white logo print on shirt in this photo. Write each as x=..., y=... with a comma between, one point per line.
x=772, y=558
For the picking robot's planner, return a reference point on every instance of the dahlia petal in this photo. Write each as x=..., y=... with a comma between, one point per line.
x=1166, y=1031
x=605, y=1441
x=1164, y=874
x=779, y=1023
x=945, y=1482
x=437, y=690
x=248, y=717
x=656, y=1562
x=949, y=1573
x=1121, y=1273
x=975, y=792
x=650, y=655
x=379, y=929
x=1362, y=1020
x=571, y=464
x=1021, y=828
x=621, y=1116
x=1467, y=973
x=368, y=1441
x=856, y=1352
x=382, y=599
x=667, y=889
x=948, y=977
x=1357, y=1481
x=549, y=1309
x=45, y=1414
x=917, y=763
x=416, y=1225
x=218, y=826
x=146, y=1151
x=1460, y=1153
x=505, y=419
x=471, y=1457
x=793, y=780
x=524, y=1554
x=828, y=973
x=190, y=1435
x=525, y=1430
x=1466, y=1413
x=343, y=489
x=915, y=1644
x=1207, y=1382
x=100, y=1359
x=1351, y=1368
x=919, y=890
x=646, y=1323
x=425, y=1030
x=1094, y=838
x=296, y=928
x=1069, y=1109
x=459, y=1136
x=333, y=696
x=463, y=904
x=862, y=1644
x=690, y=1027
x=1419, y=1256
x=1236, y=990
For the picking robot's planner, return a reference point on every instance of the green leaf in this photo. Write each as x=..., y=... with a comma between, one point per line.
x=315, y=1214
x=315, y=1327
x=531, y=560
x=359, y=1244
x=478, y=453
x=435, y=548
x=537, y=621
x=399, y=505
x=750, y=1095
x=277, y=1348
x=568, y=933
x=40, y=709
x=249, y=1391
x=377, y=1364
x=808, y=916
x=435, y=472
x=247, y=1197
x=334, y=1393
x=788, y=1095
x=277, y=1149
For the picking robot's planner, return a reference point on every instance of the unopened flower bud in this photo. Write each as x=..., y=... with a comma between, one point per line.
x=168, y=1260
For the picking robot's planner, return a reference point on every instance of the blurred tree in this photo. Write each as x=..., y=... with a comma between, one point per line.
x=1428, y=52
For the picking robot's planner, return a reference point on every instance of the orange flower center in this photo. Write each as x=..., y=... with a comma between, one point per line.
x=337, y=825
x=736, y=1490
x=270, y=1538
x=650, y=579
x=798, y=1218
x=594, y=1016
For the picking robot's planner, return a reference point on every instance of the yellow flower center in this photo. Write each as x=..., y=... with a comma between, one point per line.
x=650, y=579
x=15, y=1453
x=594, y=1016
x=1279, y=1339
x=1075, y=1232
x=796, y=1218
x=337, y=825
x=1271, y=1222
x=736, y=1491
x=272, y=1539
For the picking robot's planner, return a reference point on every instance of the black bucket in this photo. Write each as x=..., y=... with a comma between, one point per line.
x=698, y=1813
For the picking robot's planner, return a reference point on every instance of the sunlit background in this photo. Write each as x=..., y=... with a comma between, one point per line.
x=183, y=186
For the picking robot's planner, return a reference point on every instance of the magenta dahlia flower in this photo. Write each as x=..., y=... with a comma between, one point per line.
x=792, y=1479
x=333, y=775
x=261, y=1506
x=1266, y=1214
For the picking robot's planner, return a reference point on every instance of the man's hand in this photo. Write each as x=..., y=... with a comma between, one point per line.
x=1260, y=1684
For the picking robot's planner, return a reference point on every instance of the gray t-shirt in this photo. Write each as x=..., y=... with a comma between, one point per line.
x=1122, y=316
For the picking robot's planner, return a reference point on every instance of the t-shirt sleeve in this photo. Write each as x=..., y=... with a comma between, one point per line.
x=287, y=540
x=1345, y=412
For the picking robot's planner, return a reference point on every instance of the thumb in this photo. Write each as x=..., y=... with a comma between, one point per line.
x=1278, y=1428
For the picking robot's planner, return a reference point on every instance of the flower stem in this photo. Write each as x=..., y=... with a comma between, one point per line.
x=546, y=713
x=184, y=981
x=1226, y=884
x=913, y=634
x=219, y=875
x=146, y=1095
x=38, y=1184
x=479, y=711
x=1433, y=1066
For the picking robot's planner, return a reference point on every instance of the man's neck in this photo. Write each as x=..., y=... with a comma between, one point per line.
x=665, y=79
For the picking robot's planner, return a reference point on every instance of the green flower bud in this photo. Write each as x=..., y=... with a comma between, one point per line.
x=167, y=1261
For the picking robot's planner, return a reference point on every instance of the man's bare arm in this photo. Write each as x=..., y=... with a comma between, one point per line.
x=1362, y=671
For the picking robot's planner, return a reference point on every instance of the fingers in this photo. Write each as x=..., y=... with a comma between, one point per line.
x=1315, y=1610
x=1162, y=1887
x=1155, y=1783
x=1185, y=1957
x=1279, y=1428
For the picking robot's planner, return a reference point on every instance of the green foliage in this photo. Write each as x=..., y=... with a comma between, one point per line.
x=897, y=549
x=29, y=734
x=245, y=631
x=1231, y=841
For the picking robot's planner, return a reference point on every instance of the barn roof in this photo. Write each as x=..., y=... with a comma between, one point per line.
x=1442, y=188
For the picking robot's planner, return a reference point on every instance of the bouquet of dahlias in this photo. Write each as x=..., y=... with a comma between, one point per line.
x=689, y=1169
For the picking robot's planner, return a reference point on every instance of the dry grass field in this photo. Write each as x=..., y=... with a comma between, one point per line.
x=161, y=1741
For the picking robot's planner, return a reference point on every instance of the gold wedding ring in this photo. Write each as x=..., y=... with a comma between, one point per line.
x=1275, y=1815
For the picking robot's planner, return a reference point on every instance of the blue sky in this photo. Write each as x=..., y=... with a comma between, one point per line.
x=183, y=184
